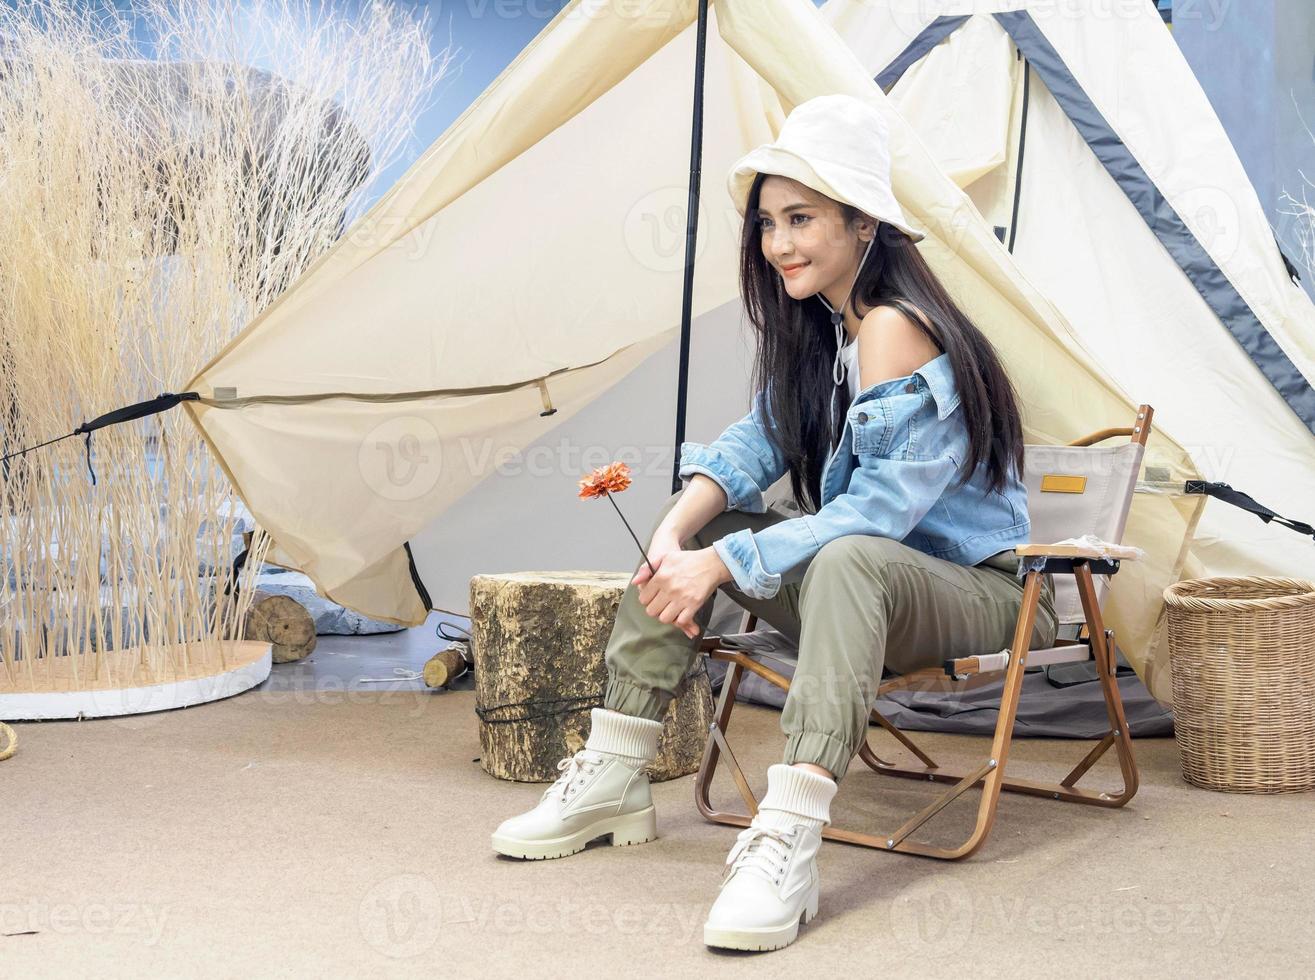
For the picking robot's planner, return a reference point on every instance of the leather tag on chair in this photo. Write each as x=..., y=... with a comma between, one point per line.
x=1058, y=483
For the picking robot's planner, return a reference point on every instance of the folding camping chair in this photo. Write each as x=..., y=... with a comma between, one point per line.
x=1073, y=490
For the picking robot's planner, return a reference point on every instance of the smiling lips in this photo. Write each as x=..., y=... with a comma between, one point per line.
x=789, y=271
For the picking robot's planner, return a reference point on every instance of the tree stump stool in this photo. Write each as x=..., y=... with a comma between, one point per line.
x=539, y=640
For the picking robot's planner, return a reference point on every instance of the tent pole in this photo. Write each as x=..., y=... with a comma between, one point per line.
x=1022, y=144
x=691, y=233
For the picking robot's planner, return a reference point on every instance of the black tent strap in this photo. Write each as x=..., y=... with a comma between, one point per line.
x=1222, y=491
x=129, y=413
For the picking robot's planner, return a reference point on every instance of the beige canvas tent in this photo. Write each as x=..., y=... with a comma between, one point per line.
x=1081, y=134
x=519, y=268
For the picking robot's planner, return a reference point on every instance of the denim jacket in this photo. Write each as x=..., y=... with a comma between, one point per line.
x=900, y=449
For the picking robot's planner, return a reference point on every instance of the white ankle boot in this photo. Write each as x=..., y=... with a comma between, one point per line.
x=603, y=790
x=772, y=882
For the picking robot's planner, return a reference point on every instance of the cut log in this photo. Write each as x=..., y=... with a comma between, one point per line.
x=282, y=622
x=443, y=668
x=539, y=640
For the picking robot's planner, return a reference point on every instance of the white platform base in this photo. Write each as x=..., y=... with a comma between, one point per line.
x=247, y=664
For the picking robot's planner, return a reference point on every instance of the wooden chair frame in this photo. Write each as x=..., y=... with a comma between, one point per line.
x=1098, y=644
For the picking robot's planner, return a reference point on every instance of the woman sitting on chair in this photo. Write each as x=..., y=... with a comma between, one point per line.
x=900, y=431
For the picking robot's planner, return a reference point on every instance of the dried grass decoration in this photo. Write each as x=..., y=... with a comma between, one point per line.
x=158, y=194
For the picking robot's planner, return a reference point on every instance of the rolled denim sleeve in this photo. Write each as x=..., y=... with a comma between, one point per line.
x=744, y=460
x=887, y=497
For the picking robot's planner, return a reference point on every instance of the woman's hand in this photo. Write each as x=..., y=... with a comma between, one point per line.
x=682, y=584
x=664, y=541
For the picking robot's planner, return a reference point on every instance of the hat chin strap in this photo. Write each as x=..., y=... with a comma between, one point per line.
x=839, y=369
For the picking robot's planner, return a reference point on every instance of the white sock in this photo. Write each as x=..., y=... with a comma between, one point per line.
x=795, y=795
x=634, y=738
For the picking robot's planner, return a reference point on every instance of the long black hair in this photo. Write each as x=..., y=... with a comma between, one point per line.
x=797, y=346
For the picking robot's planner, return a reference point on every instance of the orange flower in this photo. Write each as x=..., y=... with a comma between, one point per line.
x=612, y=478
x=605, y=482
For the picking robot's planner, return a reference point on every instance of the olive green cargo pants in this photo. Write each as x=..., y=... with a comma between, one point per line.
x=863, y=602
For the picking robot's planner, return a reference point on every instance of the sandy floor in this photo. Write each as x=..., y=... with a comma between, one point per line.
x=303, y=831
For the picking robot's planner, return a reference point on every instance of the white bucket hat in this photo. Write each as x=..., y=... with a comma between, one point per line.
x=839, y=146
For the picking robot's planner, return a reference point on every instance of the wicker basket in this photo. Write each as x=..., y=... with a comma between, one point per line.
x=1243, y=666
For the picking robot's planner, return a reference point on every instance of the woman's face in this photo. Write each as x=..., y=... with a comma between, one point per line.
x=805, y=239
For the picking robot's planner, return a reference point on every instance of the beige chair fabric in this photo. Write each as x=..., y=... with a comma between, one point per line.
x=1107, y=476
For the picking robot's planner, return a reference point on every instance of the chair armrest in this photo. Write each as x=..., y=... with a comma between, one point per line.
x=1106, y=550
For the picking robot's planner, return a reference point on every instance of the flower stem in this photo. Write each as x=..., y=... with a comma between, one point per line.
x=632, y=533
